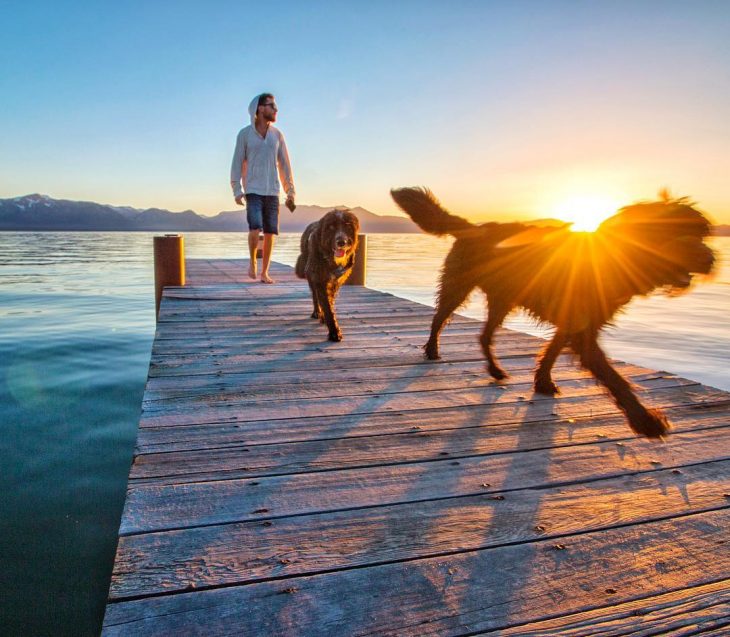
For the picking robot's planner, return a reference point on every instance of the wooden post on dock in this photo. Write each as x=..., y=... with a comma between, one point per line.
x=359, y=270
x=169, y=264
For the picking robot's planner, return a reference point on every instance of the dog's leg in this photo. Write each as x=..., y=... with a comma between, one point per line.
x=495, y=317
x=327, y=301
x=320, y=290
x=648, y=422
x=449, y=299
x=316, y=311
x=543, y=374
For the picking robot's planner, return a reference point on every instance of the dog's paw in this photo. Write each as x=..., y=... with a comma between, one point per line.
x=496, y=372
x=652, y=423
x=547, y=387
x=431, y=352
x=314, y=315
x=335, y=337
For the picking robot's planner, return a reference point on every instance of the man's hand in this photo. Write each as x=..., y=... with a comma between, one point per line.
x=289, y=203
x=239, y=200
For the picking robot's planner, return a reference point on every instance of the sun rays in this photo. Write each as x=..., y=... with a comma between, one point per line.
x=585, y=212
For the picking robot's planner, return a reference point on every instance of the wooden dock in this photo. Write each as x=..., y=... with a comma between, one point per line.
x=286, y=485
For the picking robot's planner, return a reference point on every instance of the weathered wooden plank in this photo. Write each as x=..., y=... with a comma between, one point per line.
x=324, y=358
x=243, y=393
x=234, y=287
x=252, y=314
x=205, y=268
x=295, y=287
x=313, y=337
x=339, y=378
x=160, y=507
x=221, y=297
x=465, y=593
x=695, y=610
x=314, y=385
x=233, y=290
x=247, y=552
x=211, y=463
x=363, y=330
x=480, y=392
x=532, y=424
x=297, y=313
x=316, y=341
x=566, y=411
x=356, y=323
x=374, y=316
x=309, y=331
x=299, y=298
x=281, y=352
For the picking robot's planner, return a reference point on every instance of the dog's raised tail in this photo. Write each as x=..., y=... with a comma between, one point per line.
x=421, y=205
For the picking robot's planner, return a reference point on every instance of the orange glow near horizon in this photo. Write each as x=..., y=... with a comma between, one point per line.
x=586, y=212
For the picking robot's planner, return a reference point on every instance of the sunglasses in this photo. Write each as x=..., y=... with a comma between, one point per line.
x=272, y=104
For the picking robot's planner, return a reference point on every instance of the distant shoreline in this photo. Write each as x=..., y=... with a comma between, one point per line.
x=41, y=213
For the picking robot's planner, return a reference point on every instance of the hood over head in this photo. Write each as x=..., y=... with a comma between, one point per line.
x=252, y=108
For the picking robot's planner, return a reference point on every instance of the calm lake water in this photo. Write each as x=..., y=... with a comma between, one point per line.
x=77, y=313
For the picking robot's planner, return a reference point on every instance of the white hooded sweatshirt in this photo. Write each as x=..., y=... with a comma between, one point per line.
x=258, y=161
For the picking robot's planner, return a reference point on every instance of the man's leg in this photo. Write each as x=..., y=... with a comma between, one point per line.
x=254, y=217
x=269, y=240
x=270, y=218
x=253, y=245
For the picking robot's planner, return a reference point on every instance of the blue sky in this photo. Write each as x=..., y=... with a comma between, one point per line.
x=504, y=109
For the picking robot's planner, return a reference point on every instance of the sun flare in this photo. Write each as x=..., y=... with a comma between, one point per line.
x=586, y=212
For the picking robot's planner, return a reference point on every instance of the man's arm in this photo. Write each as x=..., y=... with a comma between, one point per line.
x=285, y=173
x=238, y=168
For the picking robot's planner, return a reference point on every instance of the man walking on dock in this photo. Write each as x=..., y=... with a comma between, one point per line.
x=259, y=161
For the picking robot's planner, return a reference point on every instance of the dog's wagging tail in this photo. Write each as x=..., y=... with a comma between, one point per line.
x=576, y=281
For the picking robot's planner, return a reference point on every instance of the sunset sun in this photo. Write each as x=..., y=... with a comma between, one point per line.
x=586, y=212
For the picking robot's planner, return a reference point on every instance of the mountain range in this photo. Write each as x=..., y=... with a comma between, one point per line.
x=41, y=212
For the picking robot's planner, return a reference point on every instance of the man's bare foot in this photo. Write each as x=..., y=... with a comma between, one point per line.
x=252, y=270
x=265, y=278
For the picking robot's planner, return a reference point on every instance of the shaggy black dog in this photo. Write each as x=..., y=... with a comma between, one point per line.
x=327, y=256
x=577, y=281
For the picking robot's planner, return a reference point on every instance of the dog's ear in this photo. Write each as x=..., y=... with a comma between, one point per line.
x=351, y=219
x=325, y=233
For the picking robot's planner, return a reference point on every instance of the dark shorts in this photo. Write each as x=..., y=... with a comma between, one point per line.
x=262, y=212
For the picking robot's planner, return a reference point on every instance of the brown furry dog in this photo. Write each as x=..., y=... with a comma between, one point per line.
x=576, y=281
x=327, y=256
